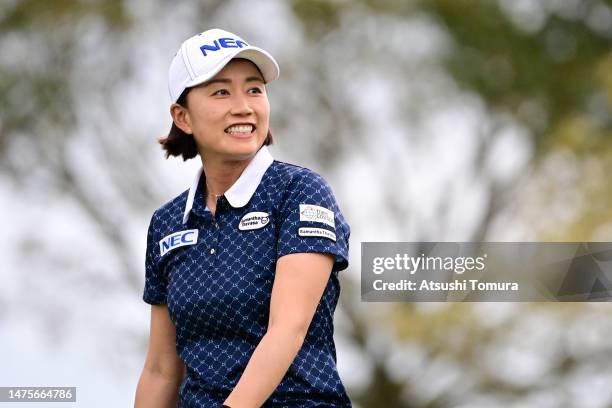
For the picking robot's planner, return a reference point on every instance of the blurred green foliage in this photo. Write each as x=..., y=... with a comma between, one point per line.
x=544, y=75
x=39, y=40
x=548, y=64
x=27, y=14
x=550, y=67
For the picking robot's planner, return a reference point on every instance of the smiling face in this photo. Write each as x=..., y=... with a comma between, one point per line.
x=227, y=115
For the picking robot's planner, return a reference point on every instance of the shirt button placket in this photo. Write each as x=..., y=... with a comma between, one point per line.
x=213, y=249
x=213, y=245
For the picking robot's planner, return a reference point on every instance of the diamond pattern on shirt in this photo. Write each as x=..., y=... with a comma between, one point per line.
x=218, y=290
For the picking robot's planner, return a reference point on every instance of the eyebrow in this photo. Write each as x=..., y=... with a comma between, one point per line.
x=229, y=81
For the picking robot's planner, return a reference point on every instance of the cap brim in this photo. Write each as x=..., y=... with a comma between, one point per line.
x=263, y=60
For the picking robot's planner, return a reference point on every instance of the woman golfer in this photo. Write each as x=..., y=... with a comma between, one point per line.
x=241, y=269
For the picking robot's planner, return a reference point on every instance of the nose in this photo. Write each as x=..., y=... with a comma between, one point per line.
x=241, y=106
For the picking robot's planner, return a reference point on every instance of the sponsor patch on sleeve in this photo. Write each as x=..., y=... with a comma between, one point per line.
x=315, y=213
x=316, y=232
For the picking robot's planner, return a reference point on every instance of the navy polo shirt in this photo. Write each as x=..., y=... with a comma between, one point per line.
x=216, y=273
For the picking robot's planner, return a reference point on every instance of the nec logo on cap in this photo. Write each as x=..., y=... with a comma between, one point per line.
x=225, y=42
x=178, y=239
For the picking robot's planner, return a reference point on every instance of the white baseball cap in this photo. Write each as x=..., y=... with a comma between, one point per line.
x=202, y=56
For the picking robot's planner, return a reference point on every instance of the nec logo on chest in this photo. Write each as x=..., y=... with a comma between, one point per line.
x=223, y=43
x=178, y=239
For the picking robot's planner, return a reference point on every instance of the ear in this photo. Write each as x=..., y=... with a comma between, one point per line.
x=181, y=119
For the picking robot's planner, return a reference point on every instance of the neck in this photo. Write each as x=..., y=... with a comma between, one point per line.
x=221, y=175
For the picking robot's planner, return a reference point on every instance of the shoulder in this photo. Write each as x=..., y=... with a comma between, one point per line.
x=170, y=213
x=293, y=185
x=292, y=176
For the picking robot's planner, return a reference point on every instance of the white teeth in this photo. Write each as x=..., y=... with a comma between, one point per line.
x=240, y=129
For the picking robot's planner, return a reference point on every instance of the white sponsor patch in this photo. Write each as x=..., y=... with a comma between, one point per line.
x=253, y=221
x=316, y=232
x=315, y=213
x=178, y=239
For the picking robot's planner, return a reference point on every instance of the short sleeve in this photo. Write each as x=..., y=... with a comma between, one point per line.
x=311, y=221
x=155, y=288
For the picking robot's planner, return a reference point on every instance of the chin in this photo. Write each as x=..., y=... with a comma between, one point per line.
x=244, y=150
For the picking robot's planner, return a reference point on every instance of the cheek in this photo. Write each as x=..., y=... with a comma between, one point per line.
x=267, y=105
x=208, y=118
x=264, y=109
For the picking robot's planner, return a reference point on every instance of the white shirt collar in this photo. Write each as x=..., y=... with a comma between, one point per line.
x=243, y=189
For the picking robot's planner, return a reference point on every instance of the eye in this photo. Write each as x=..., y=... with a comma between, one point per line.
x=255, y=90
x=220, y=92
